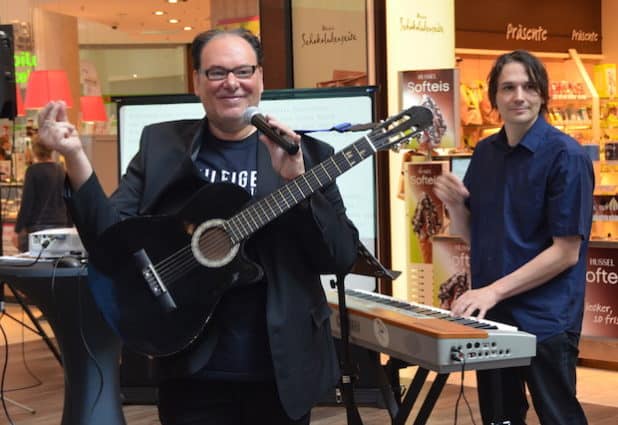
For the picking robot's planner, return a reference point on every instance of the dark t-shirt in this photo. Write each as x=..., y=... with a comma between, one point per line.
x=242, y=351
x=229, y=161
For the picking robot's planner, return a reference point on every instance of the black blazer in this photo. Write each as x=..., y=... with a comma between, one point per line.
x=313, y=238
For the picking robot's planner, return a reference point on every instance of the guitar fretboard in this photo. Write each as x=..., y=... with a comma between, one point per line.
x=254, y=217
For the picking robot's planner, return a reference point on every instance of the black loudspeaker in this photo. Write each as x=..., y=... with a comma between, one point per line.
x=8, y=101
x=366, y=386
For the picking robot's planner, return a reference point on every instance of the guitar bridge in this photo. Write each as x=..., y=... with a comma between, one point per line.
x=154, y=281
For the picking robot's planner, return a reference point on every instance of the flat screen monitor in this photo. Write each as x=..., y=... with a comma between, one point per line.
x=459, y=165
x=300, y=109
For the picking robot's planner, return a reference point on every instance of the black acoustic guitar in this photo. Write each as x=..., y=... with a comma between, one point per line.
x=164, y=275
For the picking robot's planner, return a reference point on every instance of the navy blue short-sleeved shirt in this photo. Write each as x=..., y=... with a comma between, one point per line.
x=520, y=197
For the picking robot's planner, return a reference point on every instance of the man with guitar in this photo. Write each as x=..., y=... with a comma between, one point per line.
x=241, y=329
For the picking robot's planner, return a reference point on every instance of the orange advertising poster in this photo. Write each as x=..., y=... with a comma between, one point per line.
x=424, y=219
x=451, y=270
x=601, y=304
x=424, y=210
x=438, y=90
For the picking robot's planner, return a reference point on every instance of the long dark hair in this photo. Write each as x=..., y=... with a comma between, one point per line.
x=535, y=69
x=204, y=38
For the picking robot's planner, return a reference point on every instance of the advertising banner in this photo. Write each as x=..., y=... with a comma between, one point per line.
x=438, y=90
x=601, y=304
x=451, y=270
x=424, y=219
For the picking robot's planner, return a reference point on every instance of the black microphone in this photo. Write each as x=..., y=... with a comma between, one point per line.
x=253, y=116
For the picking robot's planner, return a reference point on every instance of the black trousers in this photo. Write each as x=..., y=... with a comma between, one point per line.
x=551, y=380
x=222, y=403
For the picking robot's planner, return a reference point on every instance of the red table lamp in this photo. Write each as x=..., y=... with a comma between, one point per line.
x=44, y=86
x=92, y=108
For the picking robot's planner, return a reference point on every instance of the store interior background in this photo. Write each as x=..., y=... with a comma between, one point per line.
x=157, y=64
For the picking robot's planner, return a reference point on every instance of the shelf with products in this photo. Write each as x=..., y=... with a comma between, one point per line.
x=576, y=108
x=574, y=104
x=571, y=113
x=10, y=200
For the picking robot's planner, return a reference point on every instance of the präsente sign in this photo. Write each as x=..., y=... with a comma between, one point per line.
x=543, y=26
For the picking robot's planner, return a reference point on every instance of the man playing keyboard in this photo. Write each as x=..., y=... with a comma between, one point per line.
x=525, y=208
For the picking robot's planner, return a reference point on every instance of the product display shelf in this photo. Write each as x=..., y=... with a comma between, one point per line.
x=574, y=105
x=10, y=198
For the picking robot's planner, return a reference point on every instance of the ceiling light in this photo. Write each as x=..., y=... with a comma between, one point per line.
x=172, y=1
x=158, y=12
x=188, y=28
x=173, y=21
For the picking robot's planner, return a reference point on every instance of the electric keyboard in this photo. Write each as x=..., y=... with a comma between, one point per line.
x=429, y=336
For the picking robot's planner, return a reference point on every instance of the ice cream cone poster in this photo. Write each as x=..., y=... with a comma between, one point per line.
x=424, y=211
x=601, y=301
x=438, y=90
x=451, y=270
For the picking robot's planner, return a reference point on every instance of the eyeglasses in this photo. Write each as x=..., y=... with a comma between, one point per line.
x=218, y=73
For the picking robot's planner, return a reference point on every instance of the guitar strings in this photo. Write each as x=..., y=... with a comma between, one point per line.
x=183, y=260
x=252, y=219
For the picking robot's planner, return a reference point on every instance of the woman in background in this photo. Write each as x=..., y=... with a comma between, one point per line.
x=42, y=203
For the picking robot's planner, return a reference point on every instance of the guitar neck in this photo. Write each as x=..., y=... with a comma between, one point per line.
x=257, y=215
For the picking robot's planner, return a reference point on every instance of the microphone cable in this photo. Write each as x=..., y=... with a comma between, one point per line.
x=22, y=322
x=80, y=314
x=38, y=381
x=3, y=374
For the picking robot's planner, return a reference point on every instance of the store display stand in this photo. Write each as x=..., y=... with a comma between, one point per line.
x=366, y=265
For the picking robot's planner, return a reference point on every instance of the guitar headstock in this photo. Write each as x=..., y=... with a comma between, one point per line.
x=398, y=129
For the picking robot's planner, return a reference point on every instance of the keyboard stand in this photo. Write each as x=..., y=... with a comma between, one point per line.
x=366, y=265
x=399, y=409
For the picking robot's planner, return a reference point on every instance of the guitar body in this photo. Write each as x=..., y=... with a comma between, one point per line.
x=124, y=296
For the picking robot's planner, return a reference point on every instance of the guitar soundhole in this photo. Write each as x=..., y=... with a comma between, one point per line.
x=215, y=244
x=211, y=244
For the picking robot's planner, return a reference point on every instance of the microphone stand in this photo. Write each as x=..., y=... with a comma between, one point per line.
x=366, y=265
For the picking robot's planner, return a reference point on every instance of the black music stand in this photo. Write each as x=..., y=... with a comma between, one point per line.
x=366, y=265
